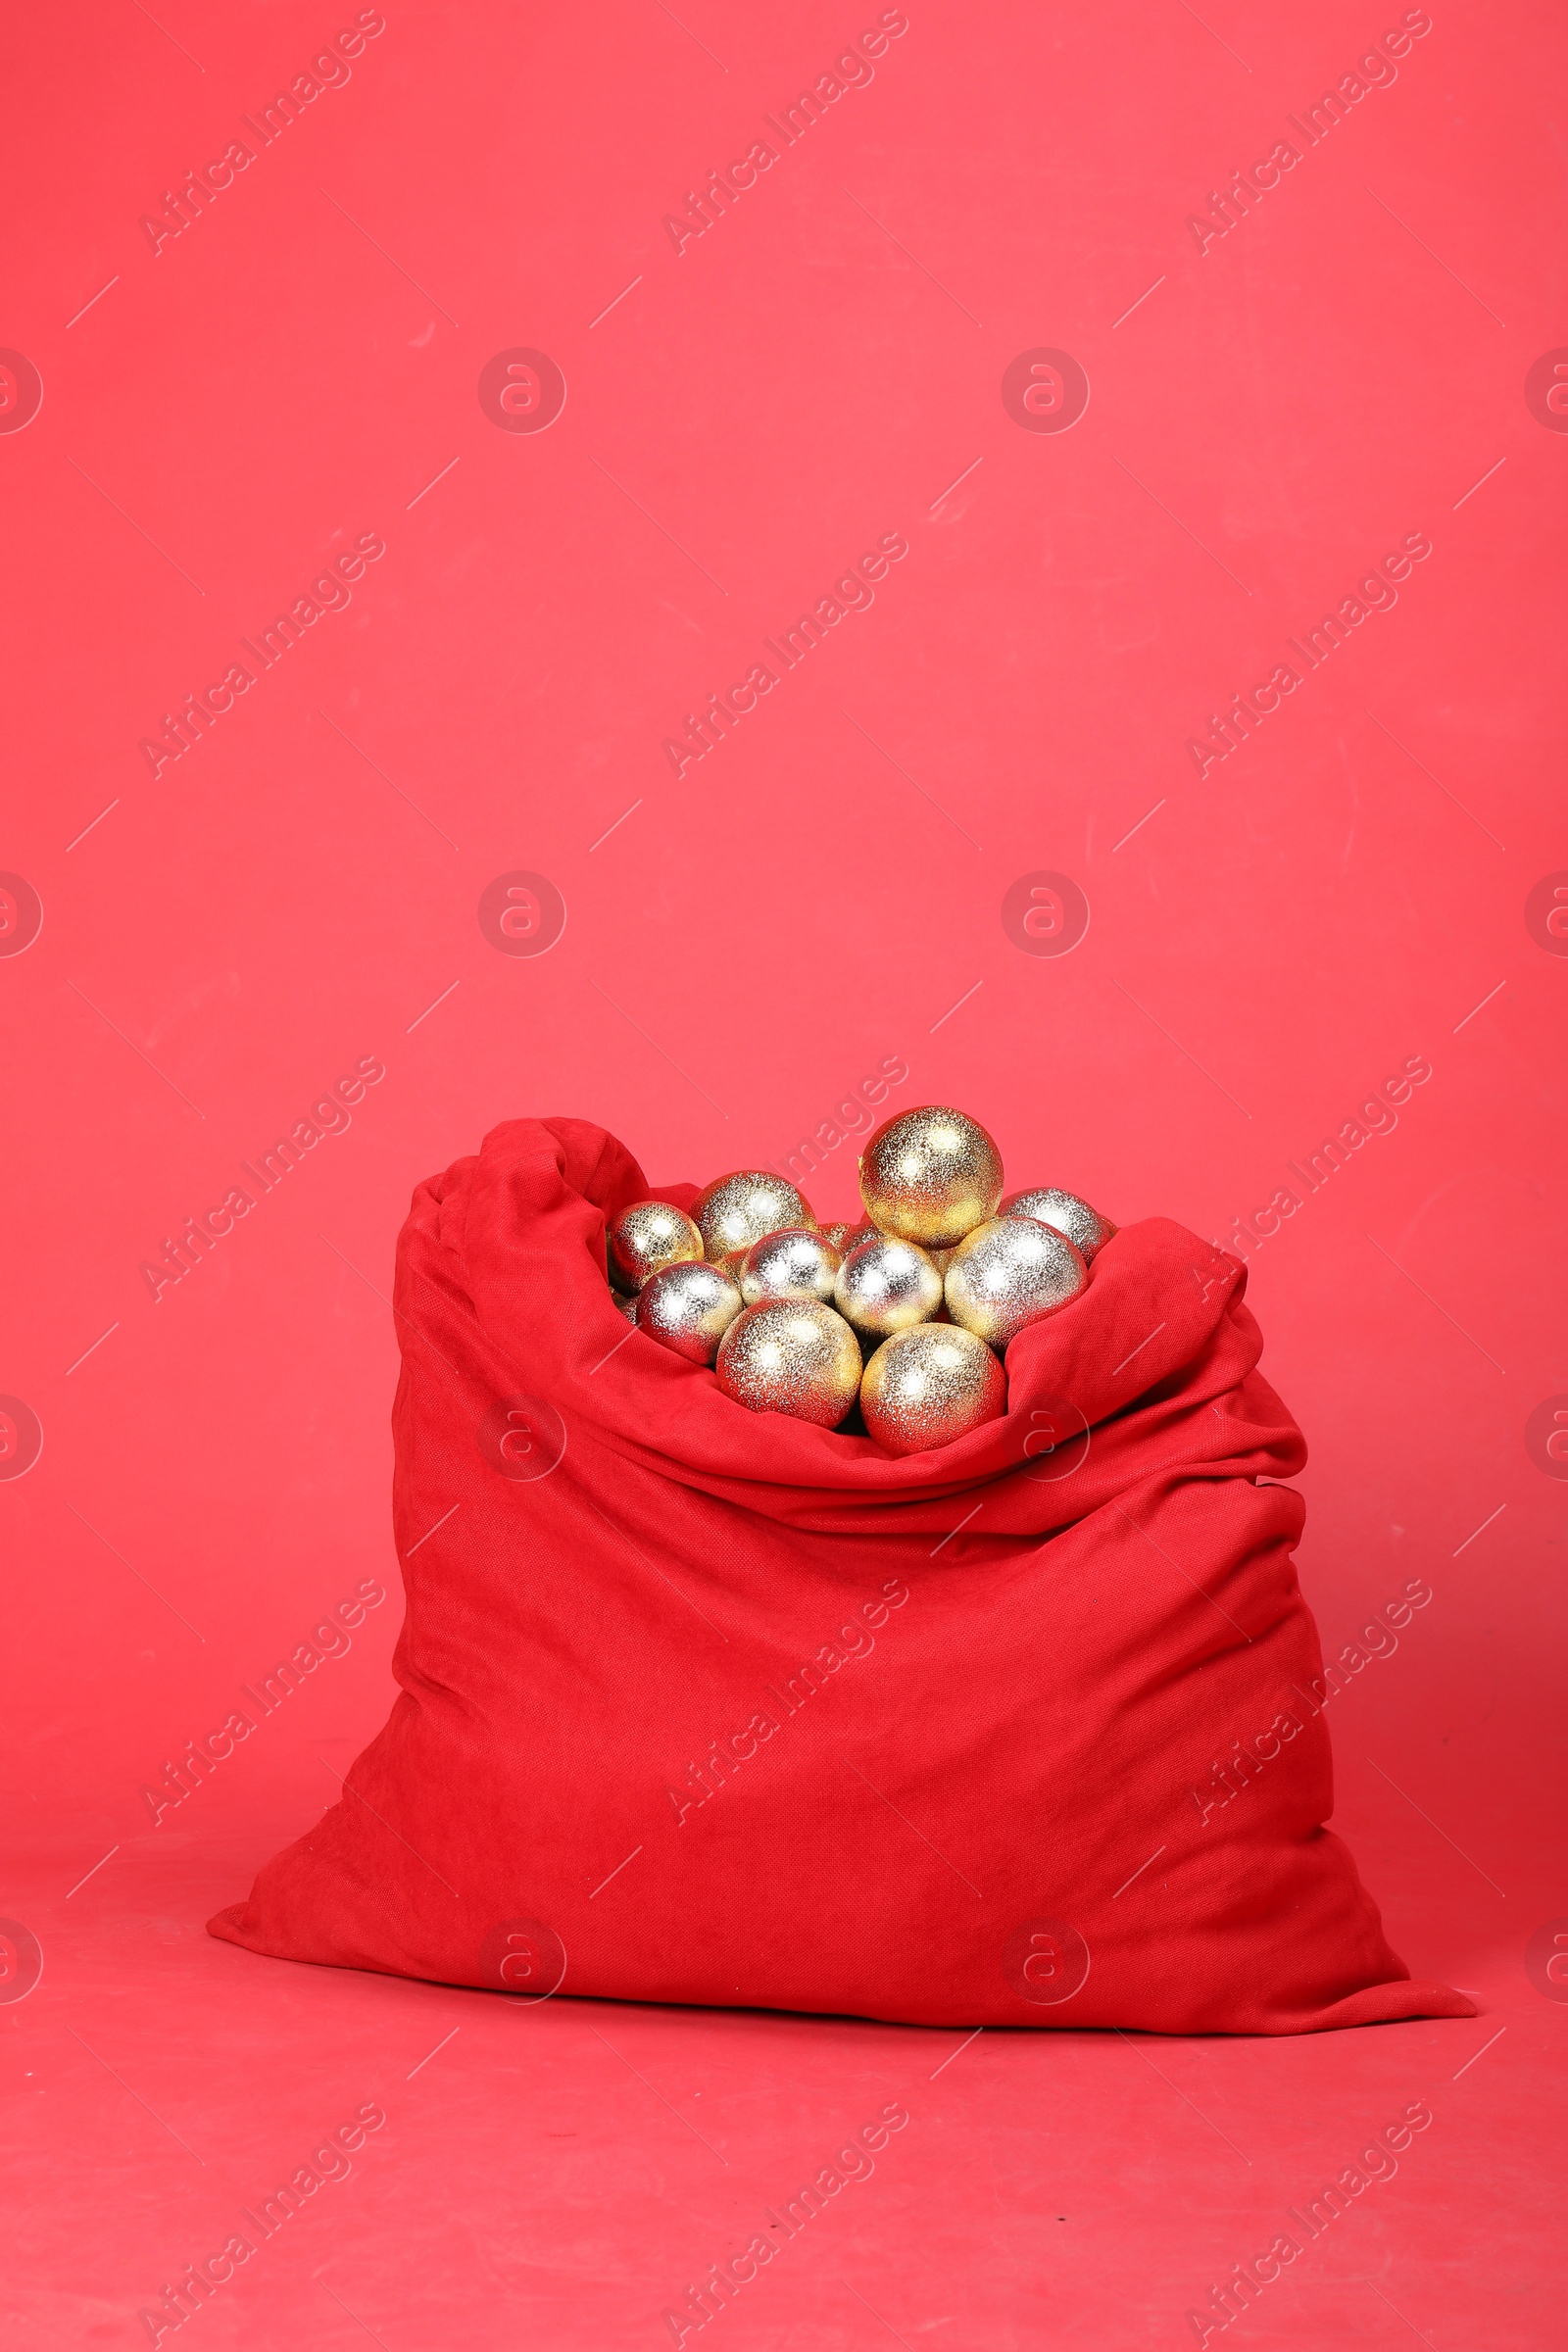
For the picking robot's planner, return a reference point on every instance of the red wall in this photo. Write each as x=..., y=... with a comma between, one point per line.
x=1359, y=887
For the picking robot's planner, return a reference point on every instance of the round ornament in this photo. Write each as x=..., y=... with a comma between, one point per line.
x=688, y=1306
x=886, y=1286
x=850, y=1236
x=931, y=1176
x=1010, y=1272
x=647, y=1236
x=838, y=1235
x=1085, y=1227
x=737, y=1211
x=791, y=1355
x=929, y=1385
x=626, y=1304
x=797, y=1262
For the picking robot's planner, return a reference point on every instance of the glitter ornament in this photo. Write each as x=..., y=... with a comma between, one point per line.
x=886, y=1286
x=647, y=1236
x=929, y=1385
x=931, y=1176
x=797, y=1262
x=688, y=1306
x=846, y=1238
x=626, y=1304
x=738, y=1211
x=1085, y=1227
x=1010, y=1272
x=791, y=1355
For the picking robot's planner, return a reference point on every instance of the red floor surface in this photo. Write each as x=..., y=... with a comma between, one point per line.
x=561, y=2174
x=1154, y=334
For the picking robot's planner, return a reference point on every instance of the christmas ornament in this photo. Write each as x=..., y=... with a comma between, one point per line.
x=846, y=1238
x=791, y=1355
x=1008, y=1273
x=795, y=1262
x=648, y=1235
x=927, y=1386
x=738, y=1211
x=688, y=1306
x=626, y=1304
x=931, y=1176
x=1085, y=1227
x=886, y=1286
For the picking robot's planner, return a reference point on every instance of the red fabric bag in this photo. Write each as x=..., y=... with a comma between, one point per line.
x=702, y=1705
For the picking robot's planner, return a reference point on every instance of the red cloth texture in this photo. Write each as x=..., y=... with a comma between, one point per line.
x=702, y=1705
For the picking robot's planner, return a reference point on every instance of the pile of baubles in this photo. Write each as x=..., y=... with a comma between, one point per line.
x=910, y=1311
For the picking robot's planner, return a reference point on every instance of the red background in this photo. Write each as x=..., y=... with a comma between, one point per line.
x=1267, y=417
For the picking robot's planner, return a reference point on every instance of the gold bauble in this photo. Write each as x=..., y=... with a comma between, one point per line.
x=795, y=1262
x=737, y=1211
x=846, y=1238
x=1085, y=1227
x=626, y=1304
x=931, y=1176
x=886, y=1284
x=688, y=1306
x=791, y=1355
x=1010, y=1272
x=648, y=1235
x=925, y=1386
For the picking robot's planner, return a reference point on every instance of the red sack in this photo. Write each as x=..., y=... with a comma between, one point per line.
x=704, y=1705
